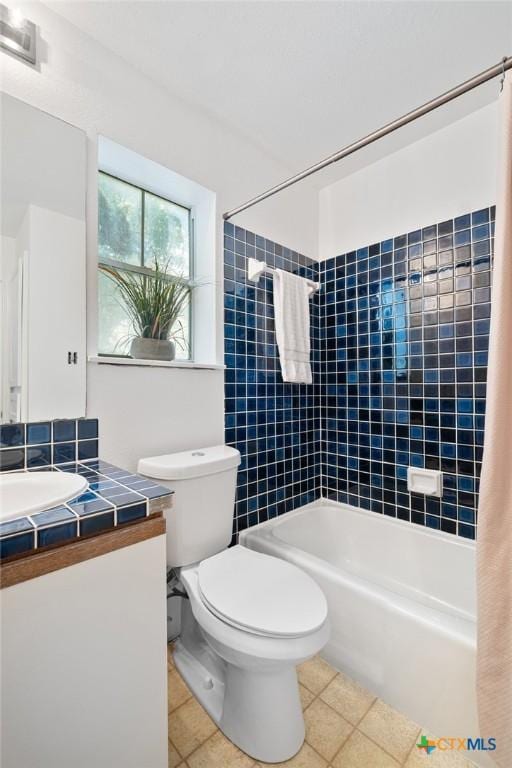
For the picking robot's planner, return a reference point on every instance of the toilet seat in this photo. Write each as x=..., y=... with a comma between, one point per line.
x=261, y=594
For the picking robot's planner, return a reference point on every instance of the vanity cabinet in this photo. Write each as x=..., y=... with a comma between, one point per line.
x=84, y=654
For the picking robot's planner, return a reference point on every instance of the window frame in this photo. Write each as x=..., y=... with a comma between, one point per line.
x=141, y=269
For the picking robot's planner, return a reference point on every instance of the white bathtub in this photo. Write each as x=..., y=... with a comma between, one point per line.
x=402, y=606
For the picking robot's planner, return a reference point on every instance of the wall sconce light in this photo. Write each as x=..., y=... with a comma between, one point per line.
x=17, y=35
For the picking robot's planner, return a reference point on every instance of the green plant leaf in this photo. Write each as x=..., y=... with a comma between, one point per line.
x=154, y=302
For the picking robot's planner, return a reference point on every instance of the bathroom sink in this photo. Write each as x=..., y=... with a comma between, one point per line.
x=22, y=493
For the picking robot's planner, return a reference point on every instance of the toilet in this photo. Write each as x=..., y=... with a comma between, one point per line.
x=247, y=619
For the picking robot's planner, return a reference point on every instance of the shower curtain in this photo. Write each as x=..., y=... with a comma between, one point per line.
x=494, y=538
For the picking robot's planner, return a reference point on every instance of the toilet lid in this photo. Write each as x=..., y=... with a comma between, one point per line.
x=261, y=594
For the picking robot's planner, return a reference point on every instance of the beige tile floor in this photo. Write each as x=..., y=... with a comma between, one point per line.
x=346, y=727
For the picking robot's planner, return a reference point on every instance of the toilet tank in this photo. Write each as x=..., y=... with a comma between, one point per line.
x=200, y=521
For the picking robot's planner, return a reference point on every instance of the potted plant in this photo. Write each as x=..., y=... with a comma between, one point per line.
x=154, y=304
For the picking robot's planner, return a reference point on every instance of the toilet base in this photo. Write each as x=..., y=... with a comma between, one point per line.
x=257, y=708
x=262, y=713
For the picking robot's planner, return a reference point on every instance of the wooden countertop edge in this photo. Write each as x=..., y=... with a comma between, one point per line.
x=32, y=566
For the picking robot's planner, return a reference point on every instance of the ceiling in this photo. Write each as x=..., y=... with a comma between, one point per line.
x=301, y=79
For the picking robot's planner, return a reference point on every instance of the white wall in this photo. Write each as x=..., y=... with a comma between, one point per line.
x=148, y=412
x=83, y=83
x=448, y=173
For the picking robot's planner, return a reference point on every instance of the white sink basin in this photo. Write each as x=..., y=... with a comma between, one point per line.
x=22, y=493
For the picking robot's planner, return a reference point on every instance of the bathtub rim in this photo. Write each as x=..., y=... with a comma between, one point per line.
x=266, y=530
x=433, y=533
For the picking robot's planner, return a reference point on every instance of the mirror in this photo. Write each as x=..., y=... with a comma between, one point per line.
x=42, y=265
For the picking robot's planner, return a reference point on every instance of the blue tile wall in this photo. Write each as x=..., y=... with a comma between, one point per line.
x=405, y=330
x=45, y=443
x=274, y=425
x=400, y=335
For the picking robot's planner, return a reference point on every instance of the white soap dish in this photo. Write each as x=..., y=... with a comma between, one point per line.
x=426, y=481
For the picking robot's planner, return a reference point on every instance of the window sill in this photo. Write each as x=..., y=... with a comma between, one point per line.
x=186, y=364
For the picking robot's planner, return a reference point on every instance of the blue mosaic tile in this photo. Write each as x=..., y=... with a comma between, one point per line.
x=131, y=513
x=52, y=516
x=274, y=425
x=41, y=444
x=87, y=449
x=64, y=452
x=98, y=465
x=57, y=534
x=100, y=485
x=16, y=545
x=39, y=432
x=134, y=482
x=87, y=429
x=411, y=372
x=114, y=473
x=12, y=435
x=399, y=336
x=11, y=459
x=64, y=430
x=120, y=496
x=90, y=526
x=39, y=456
x=17, y=525
x=89, y=504
x=153, y=492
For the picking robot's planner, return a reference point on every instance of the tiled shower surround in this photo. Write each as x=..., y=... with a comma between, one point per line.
x=405, y=330
x=275, y=426
x=400, y=335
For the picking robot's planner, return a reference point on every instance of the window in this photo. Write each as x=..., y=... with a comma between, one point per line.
x=139, y=232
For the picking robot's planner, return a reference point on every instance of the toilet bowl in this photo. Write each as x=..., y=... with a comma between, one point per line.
x=281, y=621
x=248, y=618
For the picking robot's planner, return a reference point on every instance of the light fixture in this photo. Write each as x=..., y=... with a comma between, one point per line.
x=17, y=34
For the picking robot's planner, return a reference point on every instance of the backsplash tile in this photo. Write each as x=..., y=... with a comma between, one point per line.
x=87, y=429
x=44, y=443
x=12, y=435
x=11, y=459
x=400, y=335
x=64, y=430
x=274, y=425
x=39, y=432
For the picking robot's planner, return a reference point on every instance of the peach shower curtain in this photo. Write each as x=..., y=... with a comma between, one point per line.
x=494, y=538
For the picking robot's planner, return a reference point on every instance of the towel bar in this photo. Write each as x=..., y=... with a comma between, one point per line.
x=255, y=269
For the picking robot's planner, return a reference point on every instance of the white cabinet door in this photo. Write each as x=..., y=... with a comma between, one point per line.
x=54, y=317
x=83, y=659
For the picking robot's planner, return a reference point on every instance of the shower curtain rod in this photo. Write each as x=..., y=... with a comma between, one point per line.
x=429, y=106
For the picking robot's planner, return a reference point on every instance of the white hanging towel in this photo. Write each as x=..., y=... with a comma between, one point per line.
x=291, y=313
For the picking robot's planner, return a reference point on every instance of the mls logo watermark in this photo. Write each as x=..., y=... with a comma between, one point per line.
x=456, y=743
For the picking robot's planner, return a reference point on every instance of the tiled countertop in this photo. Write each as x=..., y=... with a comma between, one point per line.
x=114, y=498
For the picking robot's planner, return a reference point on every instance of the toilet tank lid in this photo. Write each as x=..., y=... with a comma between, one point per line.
x=186, y=464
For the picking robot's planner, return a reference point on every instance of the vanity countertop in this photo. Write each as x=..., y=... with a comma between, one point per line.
x=114, y=499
